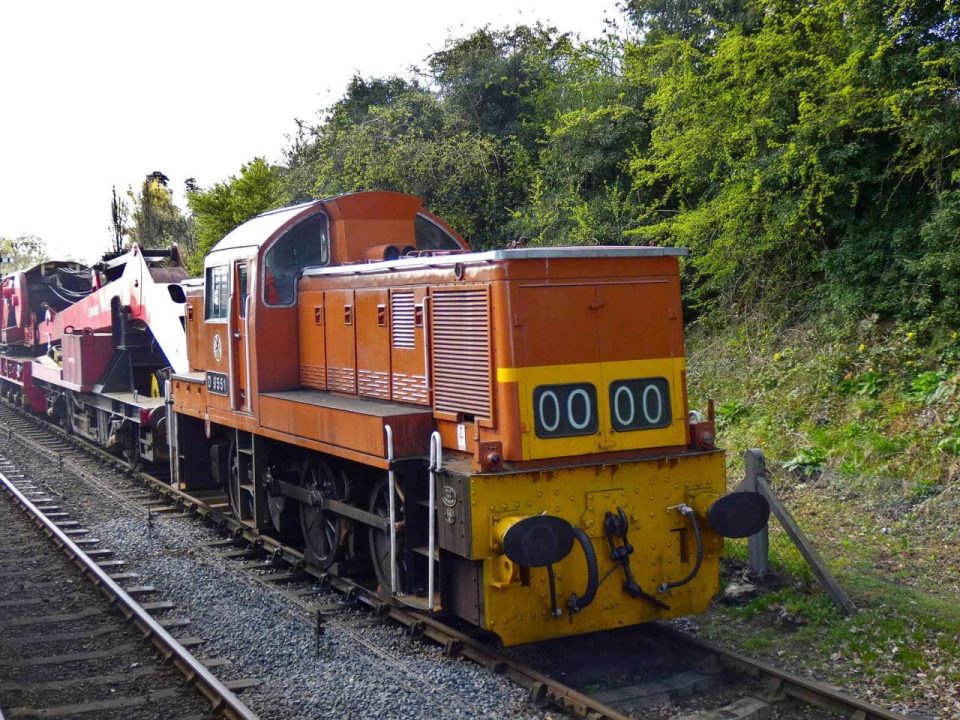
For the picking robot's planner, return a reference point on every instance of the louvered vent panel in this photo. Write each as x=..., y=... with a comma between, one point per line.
x=401, y=320
x=342, y=379
x=313, y=376
x=411, y=389
x=373, y=384
x=460, y=335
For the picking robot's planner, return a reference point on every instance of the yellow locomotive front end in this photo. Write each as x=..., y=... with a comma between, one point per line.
x=593, y=499
x=639, y=545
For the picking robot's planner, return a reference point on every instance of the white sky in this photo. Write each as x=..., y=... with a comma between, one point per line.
x=95, y=94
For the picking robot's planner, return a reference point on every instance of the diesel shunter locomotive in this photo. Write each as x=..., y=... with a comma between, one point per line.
x=499, y=436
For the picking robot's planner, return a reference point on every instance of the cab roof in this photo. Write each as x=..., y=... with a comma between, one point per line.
x=258, y=230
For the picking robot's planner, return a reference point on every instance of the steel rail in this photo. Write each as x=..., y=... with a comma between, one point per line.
x=221, y=698
x=780, y=681
x=542, y=688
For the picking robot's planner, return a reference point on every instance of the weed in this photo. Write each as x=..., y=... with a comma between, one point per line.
x=922, y=489
x=729, y=412
x=928, y=387
x=893, y=680
x=867, y=384
x=950, y=445
x=807, y=461
x=870, y=384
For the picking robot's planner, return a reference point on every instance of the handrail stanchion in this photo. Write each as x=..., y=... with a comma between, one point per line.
x=392, y=484
x=436, y=464
x=173, y=440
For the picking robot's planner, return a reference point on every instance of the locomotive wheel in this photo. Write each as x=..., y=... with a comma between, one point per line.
x=380, y=539
x=241, y=501
x=324, y=533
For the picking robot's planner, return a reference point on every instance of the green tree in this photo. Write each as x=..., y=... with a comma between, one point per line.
x=463, y=134
x=119, y=217
x=410, y=144
x=307, y=147
x=156, y=220
x=594, y=119
x=814, y=147
x=227, y=204
x=490, y=81
x=804, y=152
x=22, y=252
x=697, y=21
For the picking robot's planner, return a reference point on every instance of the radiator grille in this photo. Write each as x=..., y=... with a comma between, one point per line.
x=460, y=335
x=401, y=319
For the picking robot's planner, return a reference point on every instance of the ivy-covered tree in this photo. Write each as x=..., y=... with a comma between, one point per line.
x=814, y=147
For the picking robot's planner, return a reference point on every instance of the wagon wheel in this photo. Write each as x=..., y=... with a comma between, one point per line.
x=238, y=472
x=380, y=539
x=324, y=532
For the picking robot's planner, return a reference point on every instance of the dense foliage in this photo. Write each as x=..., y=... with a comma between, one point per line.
x=819, y=141
x=806, y=153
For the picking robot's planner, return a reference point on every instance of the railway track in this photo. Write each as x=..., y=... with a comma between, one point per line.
x=67, y=653
x=766, y=691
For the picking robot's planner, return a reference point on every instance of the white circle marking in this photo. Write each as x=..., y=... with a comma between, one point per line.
x=556, y=410
x=587, y=416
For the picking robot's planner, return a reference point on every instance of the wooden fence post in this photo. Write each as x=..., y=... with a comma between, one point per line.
x=758, y=545
x=756, y=481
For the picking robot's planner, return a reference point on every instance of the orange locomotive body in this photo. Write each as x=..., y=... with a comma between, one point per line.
x=503, y=436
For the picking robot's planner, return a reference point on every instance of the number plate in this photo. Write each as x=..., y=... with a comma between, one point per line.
x=640, y=404
x=565, y=410
x=218, y=384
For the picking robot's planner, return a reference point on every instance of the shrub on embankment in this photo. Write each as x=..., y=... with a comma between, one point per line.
x=865, y=411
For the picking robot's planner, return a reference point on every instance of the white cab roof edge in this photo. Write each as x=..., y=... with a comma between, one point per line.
x=547, y=253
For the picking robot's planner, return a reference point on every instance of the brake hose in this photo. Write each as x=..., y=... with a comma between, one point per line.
x=576, y=604
x=686, y=510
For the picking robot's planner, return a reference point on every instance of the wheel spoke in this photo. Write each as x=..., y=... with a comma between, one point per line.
x=323, y=532
x=380, y=538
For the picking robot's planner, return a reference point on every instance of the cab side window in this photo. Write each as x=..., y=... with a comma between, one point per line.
x=217, y=288
x=431, y=236
x=305, y=244
x=244, y=292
